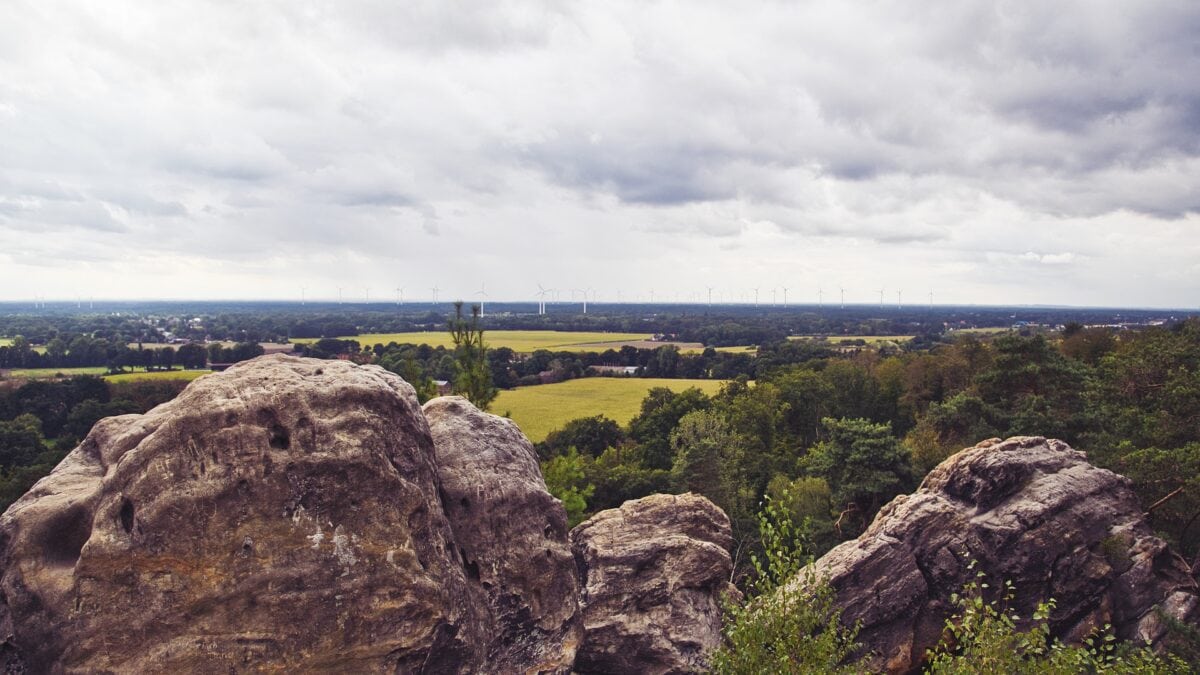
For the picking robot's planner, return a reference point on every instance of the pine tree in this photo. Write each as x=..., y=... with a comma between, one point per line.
x=472, y=375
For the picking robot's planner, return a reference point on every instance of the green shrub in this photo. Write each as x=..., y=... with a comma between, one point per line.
x=983, y=638
x=790, y=623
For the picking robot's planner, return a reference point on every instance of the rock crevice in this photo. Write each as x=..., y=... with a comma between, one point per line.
x=291, y=514
x=1028, y=510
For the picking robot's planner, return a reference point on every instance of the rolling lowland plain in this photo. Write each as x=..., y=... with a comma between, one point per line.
x=540, y=409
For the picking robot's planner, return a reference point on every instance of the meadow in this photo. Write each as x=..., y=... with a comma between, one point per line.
x=43, y=373
x=523, y=341
x=128, y=376
x=540, y=409
x=188, y=375
x=840, y=339
x=6, y=342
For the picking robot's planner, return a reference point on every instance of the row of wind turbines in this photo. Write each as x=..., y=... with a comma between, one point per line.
x=590, y=294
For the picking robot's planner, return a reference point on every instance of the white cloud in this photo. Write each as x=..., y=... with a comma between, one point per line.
x=996, y=153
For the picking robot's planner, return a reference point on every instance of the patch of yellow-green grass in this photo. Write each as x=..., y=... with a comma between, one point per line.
x=992, y=330
x=869, y=339
x=6, y=342
x=524, y=341
x=540, y=409
x=45, y=373
x=188, y=375
x=739, y=349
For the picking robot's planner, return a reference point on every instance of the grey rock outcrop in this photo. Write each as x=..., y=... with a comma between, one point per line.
x=511, y=534
x=281, y=515
x=292, y=514
x=655, y=571
x=1027, y=510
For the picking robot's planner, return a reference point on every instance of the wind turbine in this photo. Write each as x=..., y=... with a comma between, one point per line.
x=339, y=295
x=367, y=295
x=541, y=299
x=755, y=289
x=881, y=297
x=931, y=298
x=785, y=296
x=899, y=305
x=652, y=296
x=820, y=296
x=709, y=295
x=482, y=294
x=773, y=292
x=843, y=290
x=400, y=296
x=435, y=290
x=303, y=295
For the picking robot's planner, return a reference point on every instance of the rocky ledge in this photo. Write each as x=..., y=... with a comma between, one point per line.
x=294, y=514
x=1027, y=510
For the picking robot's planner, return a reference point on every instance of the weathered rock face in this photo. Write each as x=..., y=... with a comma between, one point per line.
x=1027, y=510
x=284, y=514
x=654, y=573
x=296, y=515
x=512, y=536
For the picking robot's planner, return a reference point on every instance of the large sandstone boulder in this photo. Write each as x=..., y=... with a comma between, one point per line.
x=294, y=515
x=512, y=536
x=1027, y=510
x=655, y=571
x=282, y=515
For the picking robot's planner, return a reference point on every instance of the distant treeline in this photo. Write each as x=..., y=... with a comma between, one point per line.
x=42, y=420
x=74, y=351
x=718, y=325
x=419, y=363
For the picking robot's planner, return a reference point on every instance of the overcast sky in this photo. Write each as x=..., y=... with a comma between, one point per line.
x=992, y=152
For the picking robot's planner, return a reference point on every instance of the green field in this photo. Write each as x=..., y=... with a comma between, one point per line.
x=540, y=409
x=869, y=339
x=157, y=375
x=994, y=330
x=45, y=373
x=6, y=342
x=517, y=340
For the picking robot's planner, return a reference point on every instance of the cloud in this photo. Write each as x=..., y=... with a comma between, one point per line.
x=263, y=148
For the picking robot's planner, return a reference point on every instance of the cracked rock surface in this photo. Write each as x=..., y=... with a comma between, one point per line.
x=654, y=573
x=291, y=515
x=1028, y=510
x=285, y=512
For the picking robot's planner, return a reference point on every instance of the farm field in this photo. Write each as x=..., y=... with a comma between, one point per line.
x=994, y=330
x=188, y=375
x=516, y=340
x=6, y=342
x=739, y=349
x=686, y=347
x=46, y=373
x=869, y=339
x=540, y=409
x=43, y=373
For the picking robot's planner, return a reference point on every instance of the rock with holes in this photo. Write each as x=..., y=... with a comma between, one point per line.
x=655, y=571
x=1027, y=510
x=283, y=515
x=512, y=535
